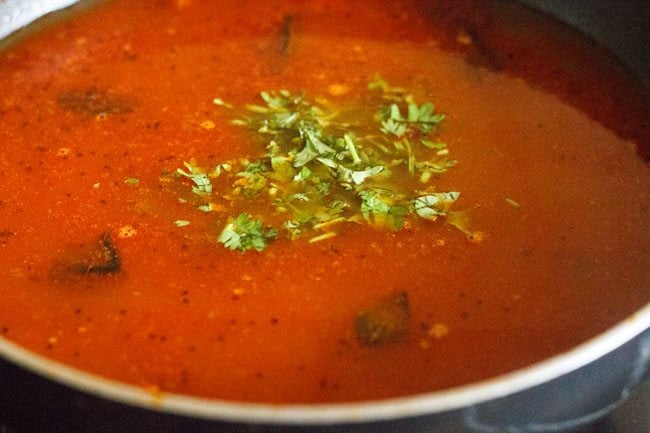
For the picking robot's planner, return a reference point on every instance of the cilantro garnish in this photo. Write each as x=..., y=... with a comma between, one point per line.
x=432, y=206
x=202, y=184
x=320, y=166
x=243, y=233
x=132, y=181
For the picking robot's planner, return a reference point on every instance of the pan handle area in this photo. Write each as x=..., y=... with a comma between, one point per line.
x=569, y=401
x=15, y=14
x=620, y=26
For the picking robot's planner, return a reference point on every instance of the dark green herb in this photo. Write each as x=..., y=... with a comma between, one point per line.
x=244, y=233
x=132, y=181
x=320, y=166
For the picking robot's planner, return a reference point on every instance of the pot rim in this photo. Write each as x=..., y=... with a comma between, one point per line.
x=334, y=413
x=319, y=414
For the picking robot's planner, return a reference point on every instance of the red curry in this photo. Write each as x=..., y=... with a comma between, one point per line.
x=107, y=268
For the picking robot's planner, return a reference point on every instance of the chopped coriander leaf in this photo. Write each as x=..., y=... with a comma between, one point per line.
x=304, y=174
x=132, y=181
x=202, y=184
x=392, y=126
x=320, y=166
x=220, y=102
x=378, y=83
x=252, y=179
x=243, y=233
x=418, y=119
x=372, y=204
x=313, y=147
x=438, y=145
x=381, y=208
x=349, y=177
x=299, y=196
x=432, y=206
x=349, y=145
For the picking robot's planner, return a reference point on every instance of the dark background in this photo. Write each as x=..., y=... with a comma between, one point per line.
x=633, y=416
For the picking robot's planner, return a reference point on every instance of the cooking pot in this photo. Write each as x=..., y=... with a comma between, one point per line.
x=563, y=393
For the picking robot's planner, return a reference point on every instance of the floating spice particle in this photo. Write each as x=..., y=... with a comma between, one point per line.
x=208, y=124
x=63, y=151
x=338, y=89
x=477, y=237
x=438, y=330
x=126, y=232
x=464, y=38
x=181, y=223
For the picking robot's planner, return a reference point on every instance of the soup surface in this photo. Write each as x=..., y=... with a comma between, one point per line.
x=113, y=261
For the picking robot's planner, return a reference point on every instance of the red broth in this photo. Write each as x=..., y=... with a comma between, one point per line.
x=548, y=161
